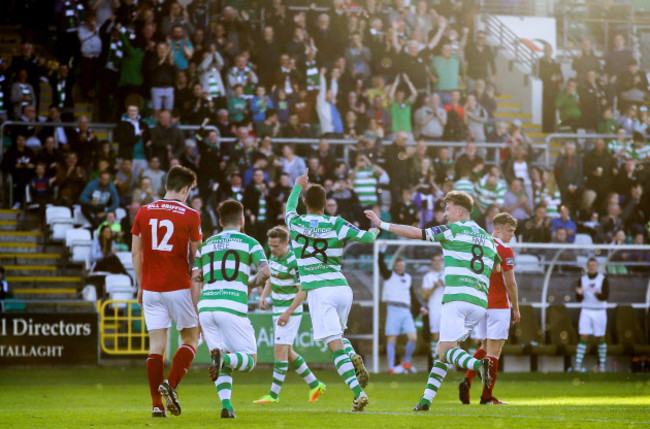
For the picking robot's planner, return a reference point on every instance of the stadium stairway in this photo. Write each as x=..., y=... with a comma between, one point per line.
x=35, y=268
x=508, y=110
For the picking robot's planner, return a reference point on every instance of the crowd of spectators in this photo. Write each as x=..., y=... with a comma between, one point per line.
x=407, y=72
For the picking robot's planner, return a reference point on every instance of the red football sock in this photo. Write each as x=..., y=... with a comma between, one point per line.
x=479, y=354
x=156, y=375
x=494, y=370
x=181, y=363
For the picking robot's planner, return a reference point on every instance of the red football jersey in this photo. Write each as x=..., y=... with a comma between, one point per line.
x=166, y=227
x=498, y=295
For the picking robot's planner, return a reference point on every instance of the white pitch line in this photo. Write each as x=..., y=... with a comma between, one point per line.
x=430, y=413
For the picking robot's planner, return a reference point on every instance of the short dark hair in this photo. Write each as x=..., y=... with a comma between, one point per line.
x=592, y=259
x=230, y=212
x=315, y=197
x=180, y=177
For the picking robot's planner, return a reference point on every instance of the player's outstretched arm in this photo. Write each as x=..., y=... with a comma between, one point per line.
x=292, y=202
x=401, y=230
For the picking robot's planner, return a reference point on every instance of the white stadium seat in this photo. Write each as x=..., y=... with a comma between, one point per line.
x=89, y=293
x=125, y=259
x=79, y=218
x=60, y=220
x=528, y=264
x=117, y=282
x=120, y=214
x=583, y=240
x=79, y=244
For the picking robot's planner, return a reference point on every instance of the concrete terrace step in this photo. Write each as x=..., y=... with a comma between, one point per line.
x=30, y=270
x=513, y=115
x=17, y=247
x=29, y=258
x=20, y=236
x=9, y=214
x=46, y=293
x=8, y=225
x=508, y=105
x=43, y=279
x=537, y=135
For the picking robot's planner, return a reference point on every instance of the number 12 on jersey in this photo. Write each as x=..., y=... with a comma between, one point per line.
x=164, y=245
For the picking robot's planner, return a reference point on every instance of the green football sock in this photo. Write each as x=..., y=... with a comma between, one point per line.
x=300, y=366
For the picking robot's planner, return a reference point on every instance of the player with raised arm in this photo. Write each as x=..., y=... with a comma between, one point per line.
x=493, y=329
x=164, y=234
x=288, y=296
x=317, y=241
x=222, y=271
x=470, y=254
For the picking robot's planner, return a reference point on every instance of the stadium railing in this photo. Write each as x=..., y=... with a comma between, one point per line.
x=122, y=329
x=546, y=278
x=581, y=138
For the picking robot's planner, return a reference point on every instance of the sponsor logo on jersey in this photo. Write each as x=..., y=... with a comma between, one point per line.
x=510, y=261
x=313, y=223
x=437, y=230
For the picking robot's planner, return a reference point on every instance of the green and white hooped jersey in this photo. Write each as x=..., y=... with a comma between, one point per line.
x=284, y=283
x=465, y=186
x=641, y=154
x=225, y=260
x=615, y=146
x=365, y=186
x=486, y=194
x=317, y=242
x=470, y=254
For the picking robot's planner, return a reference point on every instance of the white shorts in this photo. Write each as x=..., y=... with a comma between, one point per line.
x=228, y=332
x=458, y=318
x=285, y=335
x=495, y=325
x=160, y=308
x=434, y=319
x=592, y=322
x=329, y=308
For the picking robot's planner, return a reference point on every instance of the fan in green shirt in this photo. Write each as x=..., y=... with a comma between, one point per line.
x=400, y=106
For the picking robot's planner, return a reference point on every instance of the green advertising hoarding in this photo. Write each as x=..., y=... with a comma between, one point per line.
x=304, y=344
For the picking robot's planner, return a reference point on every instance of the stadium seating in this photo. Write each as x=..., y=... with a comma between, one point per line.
x=59, y=220
x=560, y=330
x=583, y=240
x=79, y=243
x=527, y=338
x=120, y=214
x=528, y=264
x=629, y=332
x=119, y=287
x=79, y=218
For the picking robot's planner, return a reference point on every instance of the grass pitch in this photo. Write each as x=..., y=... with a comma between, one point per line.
x=110, y=397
